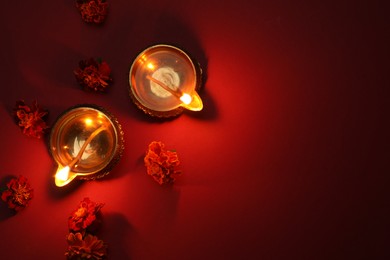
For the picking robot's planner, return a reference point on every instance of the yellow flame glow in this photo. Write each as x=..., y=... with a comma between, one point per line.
x=63, y=174
x=191, y=102
x=186, y=99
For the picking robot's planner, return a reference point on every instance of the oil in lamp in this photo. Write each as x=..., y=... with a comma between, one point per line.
x=164, y=81
x=86, y=142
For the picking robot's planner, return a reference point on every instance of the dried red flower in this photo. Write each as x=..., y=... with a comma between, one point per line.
x=93, y=75
x=88, y=247
x=161, y=164
x=85, y=216
x=93, y=11
x=18, y=193
x=31, y=119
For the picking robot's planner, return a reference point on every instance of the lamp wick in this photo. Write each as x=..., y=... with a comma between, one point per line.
x=176, y=93
x=90, y=138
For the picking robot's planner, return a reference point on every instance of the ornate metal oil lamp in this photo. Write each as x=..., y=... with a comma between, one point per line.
x=86, y=142
x=164, y=81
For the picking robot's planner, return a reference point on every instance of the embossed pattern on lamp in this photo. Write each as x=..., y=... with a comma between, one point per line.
x=86, y=142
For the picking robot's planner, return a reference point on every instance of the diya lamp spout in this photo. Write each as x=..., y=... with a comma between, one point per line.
x=192, y=102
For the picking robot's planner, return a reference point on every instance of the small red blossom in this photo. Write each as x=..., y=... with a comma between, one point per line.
x=85, y=216
x=88, y=247
x=31, y=119
x=93, y=11
x=161, y=164
x=18, y=193
x=93, y=75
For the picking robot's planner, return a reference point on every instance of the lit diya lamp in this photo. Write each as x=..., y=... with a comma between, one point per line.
x=86, y=142
x=164, y=81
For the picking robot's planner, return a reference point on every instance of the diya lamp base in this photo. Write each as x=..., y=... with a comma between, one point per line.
x=86, y=142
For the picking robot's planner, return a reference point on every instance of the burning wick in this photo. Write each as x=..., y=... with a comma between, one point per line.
x=193, y=102
x=176, y=93
x=186, y=99
x=64, y=174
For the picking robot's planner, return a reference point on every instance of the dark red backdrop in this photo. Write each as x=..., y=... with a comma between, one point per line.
x=288, y=159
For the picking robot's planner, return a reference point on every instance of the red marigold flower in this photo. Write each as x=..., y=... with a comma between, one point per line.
x=18, y=193
x=161, y=164
x=93, y=11
x=31, y=119
x=85, y=216
x=93, y=75
x=89, y=247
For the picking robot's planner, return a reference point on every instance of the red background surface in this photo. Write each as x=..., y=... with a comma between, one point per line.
x=288, y=160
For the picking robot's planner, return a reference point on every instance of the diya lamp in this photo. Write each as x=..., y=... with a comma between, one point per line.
x=86, y=142
x=164, y=81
